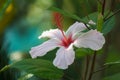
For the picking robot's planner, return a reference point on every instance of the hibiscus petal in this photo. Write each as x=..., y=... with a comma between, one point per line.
x=92, y=39
x=75, y=28
x=52, y=33
x=64, y=57
x=42, y=49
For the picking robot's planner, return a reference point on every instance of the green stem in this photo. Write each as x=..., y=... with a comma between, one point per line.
x=92, y=66
x=5, y=68
x=87, y=66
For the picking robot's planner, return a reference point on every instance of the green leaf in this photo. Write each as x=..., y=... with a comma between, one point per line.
x=108, y=25
x=112, y=63
x=92, y=16
x=113, y=68
x=39, y=67
x=83, y=52
x=113, y=77
x=68, y=14
x=113, y=56
x=25, y=77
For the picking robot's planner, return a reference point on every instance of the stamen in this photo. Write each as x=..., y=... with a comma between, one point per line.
x=58, y=21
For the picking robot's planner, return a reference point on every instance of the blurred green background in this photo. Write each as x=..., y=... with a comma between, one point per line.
x=22, y=21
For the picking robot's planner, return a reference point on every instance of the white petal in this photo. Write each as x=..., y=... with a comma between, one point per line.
x=75, y=28
x=92, y=39
x=52, y=33
x=64, y=57
x=42, y=49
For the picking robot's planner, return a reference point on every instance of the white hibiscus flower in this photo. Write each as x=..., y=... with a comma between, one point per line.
x=74, y=36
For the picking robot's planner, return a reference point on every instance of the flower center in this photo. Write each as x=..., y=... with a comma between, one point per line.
x=67, y=41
